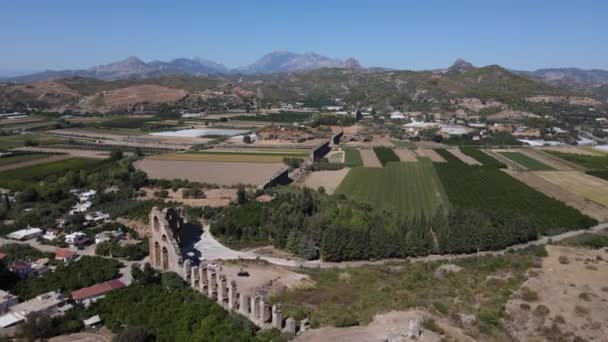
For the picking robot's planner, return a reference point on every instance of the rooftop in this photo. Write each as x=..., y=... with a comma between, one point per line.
x=97, y=289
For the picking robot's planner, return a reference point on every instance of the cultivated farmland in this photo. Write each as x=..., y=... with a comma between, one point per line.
x=352, y=157
x=590, y=162
x=411, y=188
x=243, y=157
x=463, y=157
x=329, y=180
x=385, y=155
x=484, y=158
x=20, y=178
x=214, y=172
x=526, y=161
x=587, y=186
x=369, y=158
x=406, y=155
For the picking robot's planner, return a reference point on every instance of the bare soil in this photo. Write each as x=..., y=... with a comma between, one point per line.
x=390, y=326
x=571, y=299
x=405, y=155
x=431, y=154
x=572, y=199
x=264, y=279
x=221, y=173
x=590, y=187
x=573, y=100
x=130, y=96
x=369, y=158
x=463, y=157
x=330, y=180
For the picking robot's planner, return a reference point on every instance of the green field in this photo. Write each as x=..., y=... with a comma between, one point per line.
x=525, y=161
x=19, y=178
x=385, y=155
x=352, y=157
x=21, y=158
x=409, y=188
x=403, y=143
x=586, y=161
x=12, y=141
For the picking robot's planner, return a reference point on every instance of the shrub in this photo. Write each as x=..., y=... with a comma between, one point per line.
x=528, y=295
x=541, y=311
x=563, y=260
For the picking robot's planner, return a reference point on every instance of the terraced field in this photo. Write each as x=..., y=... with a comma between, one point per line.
x=526, y=161
x=409, y=188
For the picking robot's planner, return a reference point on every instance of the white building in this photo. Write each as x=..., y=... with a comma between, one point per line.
x=47, y=303
x=25, y=234
x=75, y=238
x=6, y=301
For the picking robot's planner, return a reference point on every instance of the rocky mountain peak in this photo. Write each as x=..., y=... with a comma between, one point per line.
x=352, y=63
x=460, y=65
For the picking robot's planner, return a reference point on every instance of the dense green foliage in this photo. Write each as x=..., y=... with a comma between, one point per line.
x=483, y=158
x=133, y=251
x=276, y=117
x=485, y=188
x=407, y=189
x=587, y=161
x=11, y=141
x=333, y=120
x=22, y=177
x=172, y=314
x=84, y=272
x=18, y=251
x=526, y=161
x=385, y=155
x=20, y=158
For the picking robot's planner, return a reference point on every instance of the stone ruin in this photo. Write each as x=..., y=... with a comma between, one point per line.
x=166, y=255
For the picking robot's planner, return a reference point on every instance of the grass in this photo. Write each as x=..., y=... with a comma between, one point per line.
x=402, y=143
x=352, y=157
x=527, y=162
x=357, y=294
x=584, y=160
x=13, y=141
x=21, y=158
x=482, y=157
x=599, y=174
x=587, y=240
x=386, y=155
x=577, y=182
x=19, y=178
x=409, y=188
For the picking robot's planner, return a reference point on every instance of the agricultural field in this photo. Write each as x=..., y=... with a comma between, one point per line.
x=488, y=188
x=22, y=177
x=585, y=185
x=409, y=188
x=590, y=162
x=287, y=117
x=405, y=155
x=369, y=158
x=352, y=157
x=21, y=158
x=484, y=158
x=385, y=155
x=329, y=180
x=243, y=157
x=12, y=141
x=463, y=157
x=431, y=154
x=214, y=172
x=526, y=161
x=599, y=174
x=403, y=143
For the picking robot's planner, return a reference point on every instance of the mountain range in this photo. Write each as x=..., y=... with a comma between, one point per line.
x=135, y=68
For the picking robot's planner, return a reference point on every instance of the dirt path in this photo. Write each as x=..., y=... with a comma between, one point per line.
x=369, y=158
x=405, y=155
x=330, y=180
x=72, y=153
x=572, y=199
x=463, y=157
x=34, y=162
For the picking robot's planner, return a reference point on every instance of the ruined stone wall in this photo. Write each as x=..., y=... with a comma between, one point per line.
x=164, y=241
x=321, y=151
x=335, y=139
x=279, y=178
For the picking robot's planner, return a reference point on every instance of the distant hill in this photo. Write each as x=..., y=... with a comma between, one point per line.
x=135, y=68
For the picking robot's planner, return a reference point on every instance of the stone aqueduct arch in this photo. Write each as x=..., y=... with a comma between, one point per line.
x=165, y=254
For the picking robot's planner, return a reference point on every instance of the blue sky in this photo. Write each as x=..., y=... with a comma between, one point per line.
x=522, y=34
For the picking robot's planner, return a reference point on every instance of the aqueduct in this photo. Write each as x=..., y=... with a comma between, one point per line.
x=166, y=255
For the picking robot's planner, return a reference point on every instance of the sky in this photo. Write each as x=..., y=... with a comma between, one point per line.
x=415, y=35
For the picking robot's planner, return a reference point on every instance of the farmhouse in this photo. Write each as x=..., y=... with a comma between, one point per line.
x=90, y=294
x=6, y=301
x=65, y=255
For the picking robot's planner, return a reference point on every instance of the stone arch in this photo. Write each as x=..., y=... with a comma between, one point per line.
x=164, y=238
x=156, y=254
x=165, y=260
x=156, y=224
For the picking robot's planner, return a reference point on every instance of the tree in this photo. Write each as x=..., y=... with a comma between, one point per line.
x=241, y=196
x=247, y=139
x=116, y=154
x=134, y=334
x=145, y=277
x=171, y=280
x=36, y=326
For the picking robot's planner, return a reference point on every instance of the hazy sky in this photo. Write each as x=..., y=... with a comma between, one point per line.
x=521, y=34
